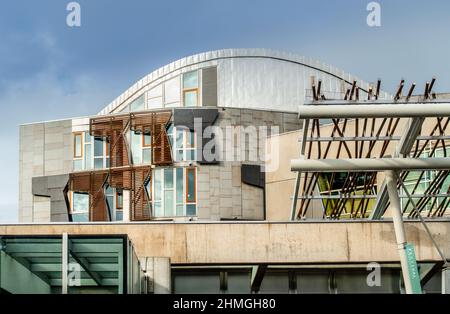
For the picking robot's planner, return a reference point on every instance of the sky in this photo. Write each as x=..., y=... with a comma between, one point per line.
x=51, y=71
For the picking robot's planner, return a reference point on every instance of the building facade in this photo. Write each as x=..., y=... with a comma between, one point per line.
x=142, y=156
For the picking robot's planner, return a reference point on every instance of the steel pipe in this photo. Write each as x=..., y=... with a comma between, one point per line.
x=370, y=164
x=374, y=111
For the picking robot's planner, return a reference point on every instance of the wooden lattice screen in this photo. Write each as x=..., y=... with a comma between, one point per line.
x=122, y=174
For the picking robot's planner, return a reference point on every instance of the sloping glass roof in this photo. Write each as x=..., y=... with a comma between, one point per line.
x=94, y=263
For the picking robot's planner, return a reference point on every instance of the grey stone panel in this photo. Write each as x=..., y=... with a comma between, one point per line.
x=209, y=86
x=53, y=187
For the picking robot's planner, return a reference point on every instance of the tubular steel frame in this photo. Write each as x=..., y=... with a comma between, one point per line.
x=372, y=126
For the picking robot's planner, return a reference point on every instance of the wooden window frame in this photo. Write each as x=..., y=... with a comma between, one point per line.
x=143, y=141
x=191, y=90
x=187, y=186
x=118, y=206
x=81, y=135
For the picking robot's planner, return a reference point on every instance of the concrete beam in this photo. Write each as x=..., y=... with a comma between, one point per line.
x=251, y=243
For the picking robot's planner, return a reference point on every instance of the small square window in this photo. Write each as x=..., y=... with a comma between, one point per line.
x=190, y=98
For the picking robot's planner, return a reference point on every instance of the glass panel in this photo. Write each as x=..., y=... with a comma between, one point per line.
x=190, y=154
x=136, y=148
x=179, y=137
x=168, y=178
x=88, y=157
x=110, y=200
x=190, y=197
x=98, y=163
x=172, y=90
x=87, y=137
x=119, y=204
x=157, y=185
x=191, y=209
x=98, y=147
x=170, y=134
x=190, y=139
x=78, y=151
x=80, y=202
x=147, y=139
x=80, y=217
x=180, y=209
x=168, y=203
x=190, y=80
x=179, y=185
x=179, y=155
x=147, y=156
x=158, y=209
x=119, y=215
x=109, y=191
x=78, y=165
x=138, y=104
x=190, y=98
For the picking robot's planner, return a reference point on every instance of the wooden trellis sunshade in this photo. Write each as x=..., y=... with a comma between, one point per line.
x=122, y=174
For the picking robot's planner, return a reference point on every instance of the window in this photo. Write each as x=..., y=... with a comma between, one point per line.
x=141, y=147
x=190, y=89
x=119, y=199
x=114, y=198
x=78, y=145
x=174, y=192
x=191, y=193
x=184, y=143
x=79, y=206
x=138, y=104
x=95, y=152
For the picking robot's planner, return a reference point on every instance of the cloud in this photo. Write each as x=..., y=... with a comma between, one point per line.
x=48, y=94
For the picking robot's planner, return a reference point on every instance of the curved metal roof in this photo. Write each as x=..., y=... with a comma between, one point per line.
x=207, y=58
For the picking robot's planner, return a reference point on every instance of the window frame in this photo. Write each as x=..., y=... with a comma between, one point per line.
x=81, y=135
x=187, y=170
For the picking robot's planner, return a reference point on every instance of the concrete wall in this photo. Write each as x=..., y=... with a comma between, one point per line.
x=262, y=242
x=45, y=149
x=221, y=193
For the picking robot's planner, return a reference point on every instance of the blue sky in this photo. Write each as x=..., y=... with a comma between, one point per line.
x=50, y=71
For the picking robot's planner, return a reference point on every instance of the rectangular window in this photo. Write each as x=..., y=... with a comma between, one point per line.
x=98, y=147
x=174, y=192
x=190, y=80
x=78, y=145
x=190, y=89
x=146, y=140
x=136, y=147
x=80, y=202
x=190, y=98
x=119, y=199
x=184, y=146
x=190, y=185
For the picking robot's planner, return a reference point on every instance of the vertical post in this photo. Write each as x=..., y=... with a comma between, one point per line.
x=446, y=279
x=397, y=217
x=64, y=263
